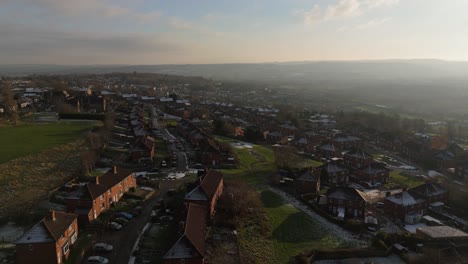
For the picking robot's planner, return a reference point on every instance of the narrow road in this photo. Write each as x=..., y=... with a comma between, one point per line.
x=124, y=240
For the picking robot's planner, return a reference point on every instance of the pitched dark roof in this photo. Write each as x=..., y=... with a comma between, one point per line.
x=211, y=182
x=346, y=193
x=195, y=226
x=309, y=176
x=107, y=181
x=48, y=230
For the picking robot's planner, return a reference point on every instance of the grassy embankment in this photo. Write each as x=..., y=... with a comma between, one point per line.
x=36, y=158
x=31, y=138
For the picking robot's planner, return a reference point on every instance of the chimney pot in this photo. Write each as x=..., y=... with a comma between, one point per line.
x=115, y=169
x=97, y=179
x=53, y=215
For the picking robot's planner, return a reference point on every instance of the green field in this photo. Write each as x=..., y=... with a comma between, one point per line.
x=293, y=231
x=31, y=138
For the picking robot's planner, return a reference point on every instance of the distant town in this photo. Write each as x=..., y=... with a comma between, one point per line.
x=156, y=168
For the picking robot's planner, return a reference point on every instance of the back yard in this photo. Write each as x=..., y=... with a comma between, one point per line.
x=31, y=138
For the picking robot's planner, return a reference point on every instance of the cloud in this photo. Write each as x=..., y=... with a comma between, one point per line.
x=182, y=24
x=342, y=9
x=373, y=23
x=381, y=3
x=98, y=8
x=25, y=44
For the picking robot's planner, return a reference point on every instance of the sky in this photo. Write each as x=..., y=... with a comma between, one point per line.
x=75, y=32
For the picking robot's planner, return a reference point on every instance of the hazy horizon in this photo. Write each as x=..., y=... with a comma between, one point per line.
x=104, y=32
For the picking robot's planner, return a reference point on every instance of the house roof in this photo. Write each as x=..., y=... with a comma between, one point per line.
x=107, y=181
x=48, y=229
x=192, y=243
x=405, y=198
x=195, y=226
x=346, y=193
x=332, y=167
x=308, y=176
x=211, y=182
x=346, y=139
x=358, y=154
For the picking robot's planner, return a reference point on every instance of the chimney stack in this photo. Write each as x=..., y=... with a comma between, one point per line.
x=97, y=179
x=115, y=169
x=53, y=215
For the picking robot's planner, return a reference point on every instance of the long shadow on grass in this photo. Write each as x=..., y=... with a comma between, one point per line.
x=298, y=228
x=271, y=200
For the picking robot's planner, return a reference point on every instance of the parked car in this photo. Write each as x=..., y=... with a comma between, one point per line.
x=98, y=259
x=102, y=247
x=121, y=220
x=165, y=219
x=124, y=215
x=115, y=226
x=137, y=211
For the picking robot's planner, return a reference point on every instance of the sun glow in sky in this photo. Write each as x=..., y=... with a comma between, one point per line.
x=226, y=31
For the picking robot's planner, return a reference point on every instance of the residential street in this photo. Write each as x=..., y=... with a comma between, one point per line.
x=124, y=240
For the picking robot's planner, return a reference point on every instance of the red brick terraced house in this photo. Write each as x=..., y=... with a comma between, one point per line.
x=49, y=241
x=190, y=247
x=96, y=197
x=208, y=192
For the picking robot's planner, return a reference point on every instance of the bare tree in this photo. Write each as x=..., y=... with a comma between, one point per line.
x=11, y=107
x=88, y=160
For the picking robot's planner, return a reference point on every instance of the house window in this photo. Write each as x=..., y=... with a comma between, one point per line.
x=73, y=238
x=65, y=248
x=31, y=247
x=120, y=183
x=102, y=196
x=102, y=206
x=109, y=191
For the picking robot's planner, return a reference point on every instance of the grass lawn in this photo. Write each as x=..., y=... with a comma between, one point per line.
x=397, y=178
x=31, y=138
x=294, y=231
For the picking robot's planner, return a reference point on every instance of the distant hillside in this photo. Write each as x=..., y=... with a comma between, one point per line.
x=302, y=72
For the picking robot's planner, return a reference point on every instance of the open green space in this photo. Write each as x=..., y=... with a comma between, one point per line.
x=399, y=178
x=31, y=138
x=293, y=231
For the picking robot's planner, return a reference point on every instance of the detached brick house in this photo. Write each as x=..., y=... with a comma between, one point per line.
x=372, y=175
x=405, y=206
x=208, y=192
x=96, y=197
x=190, y=248
x=357, y=158
x=333, y=173
x=345, y=202
x=409, y=206
x=308, y=182
x=48, y=241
